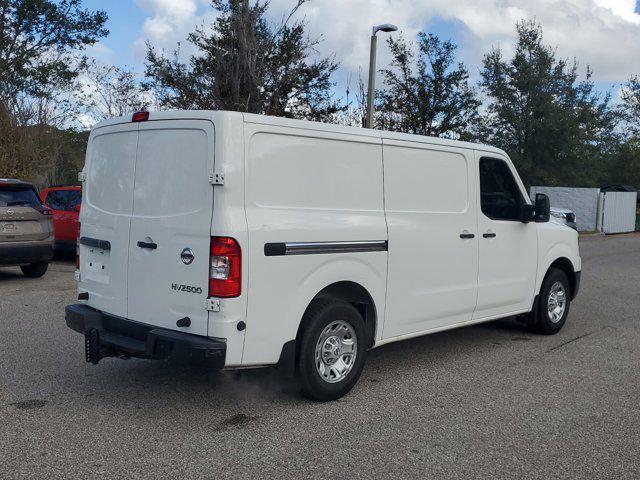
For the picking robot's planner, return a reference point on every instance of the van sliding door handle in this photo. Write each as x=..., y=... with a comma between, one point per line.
x=467, y=235
x=150, y=246
x=489, y=235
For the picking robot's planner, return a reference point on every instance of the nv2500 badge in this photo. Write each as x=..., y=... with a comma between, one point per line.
x=186, y=288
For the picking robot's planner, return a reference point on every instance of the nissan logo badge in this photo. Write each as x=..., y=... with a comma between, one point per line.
x=187, y=256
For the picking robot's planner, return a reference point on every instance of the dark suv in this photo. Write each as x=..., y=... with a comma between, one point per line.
x=26, y=229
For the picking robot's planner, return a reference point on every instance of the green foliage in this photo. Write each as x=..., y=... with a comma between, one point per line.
x=39, y=40
x=557, y=130
x=42, y=154
x=631, y=105
x=427, y=93
x=243, y=63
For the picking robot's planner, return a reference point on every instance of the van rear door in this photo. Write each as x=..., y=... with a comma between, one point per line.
x=106, y=216
x=169, y=243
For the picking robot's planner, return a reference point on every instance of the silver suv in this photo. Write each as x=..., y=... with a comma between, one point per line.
x=26, y=229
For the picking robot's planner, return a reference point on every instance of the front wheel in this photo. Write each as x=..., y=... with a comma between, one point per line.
x=555, y=298
x=35, y=270
x=332, y=350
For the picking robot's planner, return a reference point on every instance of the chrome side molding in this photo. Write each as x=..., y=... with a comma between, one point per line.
x=315, y=248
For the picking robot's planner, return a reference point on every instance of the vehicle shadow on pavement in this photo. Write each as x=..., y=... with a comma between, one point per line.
x=9, y=274
x=163, y=383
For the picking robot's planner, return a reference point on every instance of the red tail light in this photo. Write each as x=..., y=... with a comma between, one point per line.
x=225, y=277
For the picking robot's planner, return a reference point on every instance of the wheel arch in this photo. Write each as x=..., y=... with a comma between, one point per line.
x=355, y=294
x=565, y=265
x=346, y=291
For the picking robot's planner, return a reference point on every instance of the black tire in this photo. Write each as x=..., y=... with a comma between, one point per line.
x=35, y=270
x=543, y=323
x=320, y=315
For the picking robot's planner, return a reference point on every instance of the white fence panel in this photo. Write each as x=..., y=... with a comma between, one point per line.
x=582, y=201
x=619, y=213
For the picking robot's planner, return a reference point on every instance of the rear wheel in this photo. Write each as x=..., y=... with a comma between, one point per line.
x=332, y=350
x=555, y=298
x=35, y=270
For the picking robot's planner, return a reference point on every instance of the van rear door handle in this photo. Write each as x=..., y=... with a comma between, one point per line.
x=489, y=235
x=150, y=246
x=467, y=235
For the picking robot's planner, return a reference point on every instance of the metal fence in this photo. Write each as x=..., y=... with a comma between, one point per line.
x=582, y=201
x=619, y=212
x=608, y=212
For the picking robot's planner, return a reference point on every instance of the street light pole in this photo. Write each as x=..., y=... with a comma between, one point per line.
x=387, y=27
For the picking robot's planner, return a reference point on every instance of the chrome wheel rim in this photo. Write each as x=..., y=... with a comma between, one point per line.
x=336, y=351
x=557, y=302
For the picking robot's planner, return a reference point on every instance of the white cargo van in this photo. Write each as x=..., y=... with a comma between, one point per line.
x=243, y=240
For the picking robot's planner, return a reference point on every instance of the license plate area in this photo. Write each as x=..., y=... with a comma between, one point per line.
x=96, y=263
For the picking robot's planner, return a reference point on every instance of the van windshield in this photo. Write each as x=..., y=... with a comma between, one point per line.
x=13, y=196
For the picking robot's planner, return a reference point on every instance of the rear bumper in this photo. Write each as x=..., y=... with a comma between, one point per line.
x=23, y=253
x=109, y=336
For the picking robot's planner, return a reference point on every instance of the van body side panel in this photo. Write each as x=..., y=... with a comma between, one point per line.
x=308, y=186
x=229, y=220
x=172, y=208
x=430, y=202
x=107, y=205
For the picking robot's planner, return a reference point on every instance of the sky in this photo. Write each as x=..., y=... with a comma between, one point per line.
x=604, y=34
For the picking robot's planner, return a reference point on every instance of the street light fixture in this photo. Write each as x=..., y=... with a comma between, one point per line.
x=386, y=27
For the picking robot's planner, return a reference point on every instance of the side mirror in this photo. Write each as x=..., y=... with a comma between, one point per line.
x=77, y=209
x=527, y=213
x=543, y=208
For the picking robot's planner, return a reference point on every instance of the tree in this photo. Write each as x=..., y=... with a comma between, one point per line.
x=39, y=40
x=110, y=91
x=246, y=64
x=631, y=104
x=427, y=93
x=557, y=129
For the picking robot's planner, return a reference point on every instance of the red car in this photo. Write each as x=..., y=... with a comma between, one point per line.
x=64, y=201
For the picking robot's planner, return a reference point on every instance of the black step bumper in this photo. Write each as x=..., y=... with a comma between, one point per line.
x=109, y=336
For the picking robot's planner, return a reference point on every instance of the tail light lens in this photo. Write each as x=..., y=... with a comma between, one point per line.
x=226, y=264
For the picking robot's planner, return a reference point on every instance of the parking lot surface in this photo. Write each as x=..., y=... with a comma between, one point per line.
x=490, y=401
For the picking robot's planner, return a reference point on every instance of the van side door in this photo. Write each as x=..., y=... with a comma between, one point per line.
x=430, y=193
x=508, y=247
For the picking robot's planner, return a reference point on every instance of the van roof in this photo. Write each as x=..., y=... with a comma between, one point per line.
x=214, y=115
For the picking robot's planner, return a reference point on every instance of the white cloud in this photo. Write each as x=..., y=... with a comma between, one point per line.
x=169, y=22
x=602, y=33
x=101, y=52
x=622, y=8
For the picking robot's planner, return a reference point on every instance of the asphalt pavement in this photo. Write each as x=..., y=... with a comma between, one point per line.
x=490, y=401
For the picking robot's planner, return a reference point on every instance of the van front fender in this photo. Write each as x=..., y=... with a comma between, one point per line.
x=559, y=250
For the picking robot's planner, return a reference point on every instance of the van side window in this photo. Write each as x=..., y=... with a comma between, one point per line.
x=500, y=197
